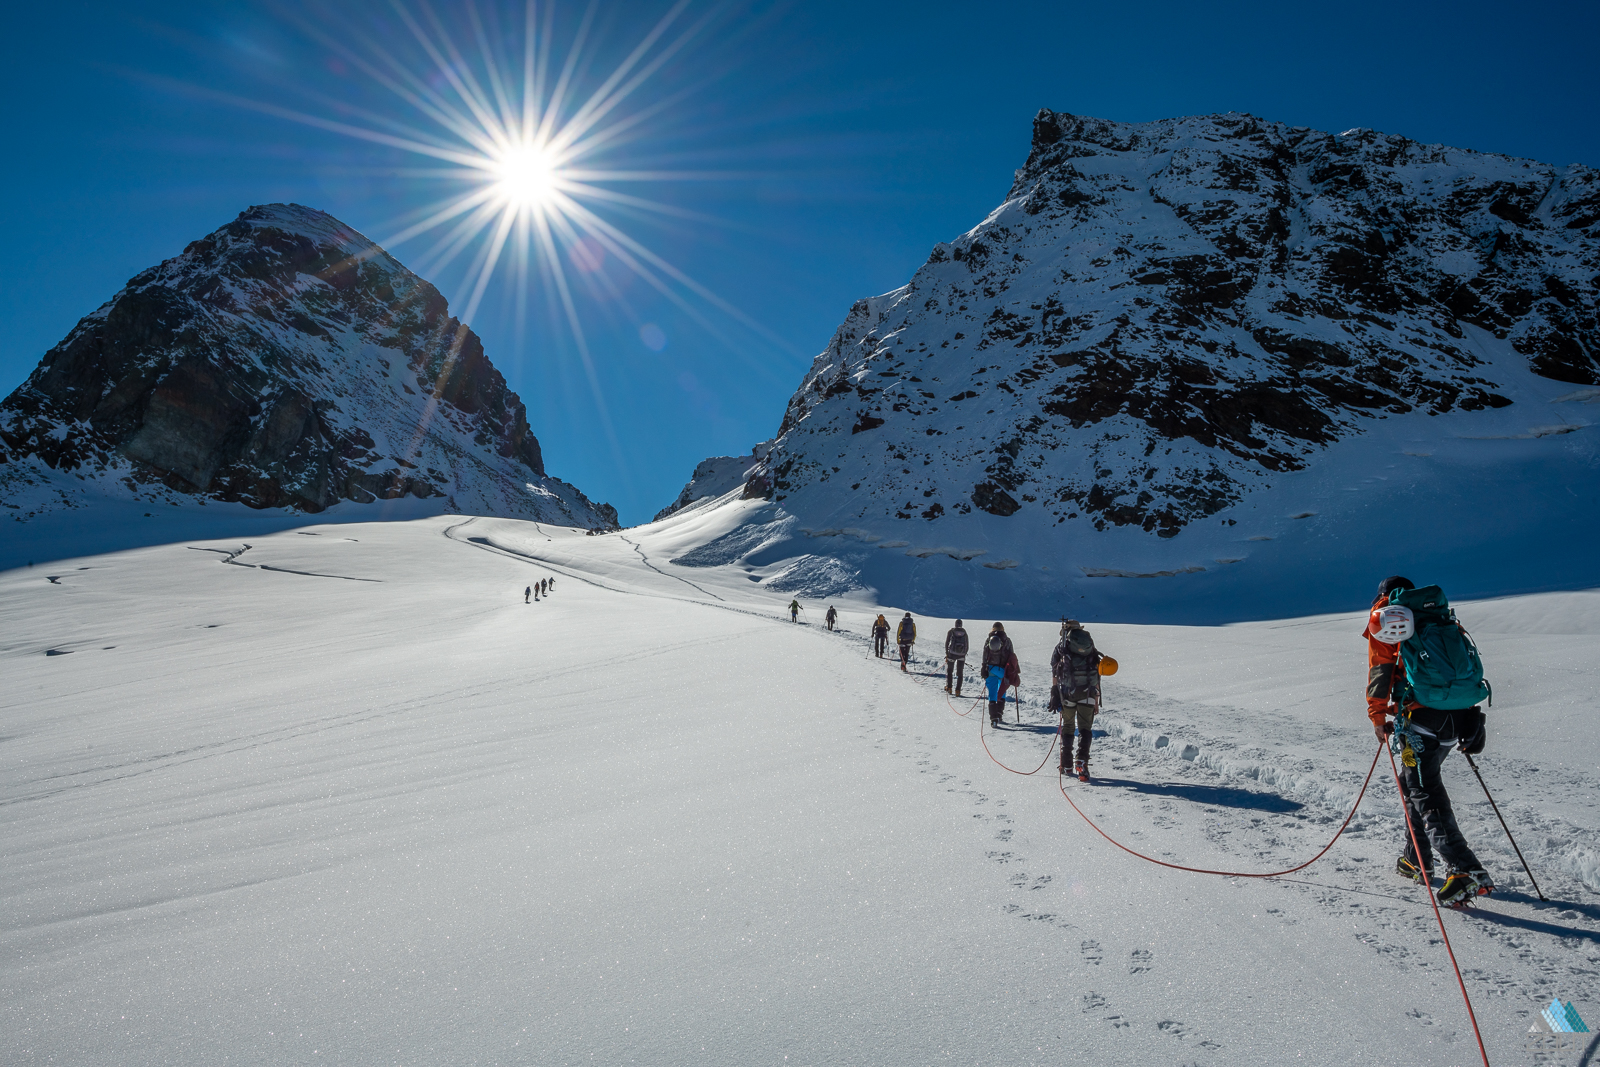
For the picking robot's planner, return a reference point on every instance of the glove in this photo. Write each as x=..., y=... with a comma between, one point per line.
x=1474, y=739
x=1055, y=699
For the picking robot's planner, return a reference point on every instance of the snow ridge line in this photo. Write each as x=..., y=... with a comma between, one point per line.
x=233, y=558
x=646, y=561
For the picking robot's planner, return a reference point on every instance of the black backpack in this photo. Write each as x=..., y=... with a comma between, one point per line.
x=1076, y=667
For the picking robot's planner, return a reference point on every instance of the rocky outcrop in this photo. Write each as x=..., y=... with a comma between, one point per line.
x=284, y=361
x=1163, y=318
x=716, y=477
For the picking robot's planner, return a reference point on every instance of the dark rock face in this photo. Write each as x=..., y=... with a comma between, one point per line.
x=286, y=361
x=1162, y=316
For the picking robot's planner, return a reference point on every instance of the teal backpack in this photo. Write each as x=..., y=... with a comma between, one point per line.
x=1443, y=669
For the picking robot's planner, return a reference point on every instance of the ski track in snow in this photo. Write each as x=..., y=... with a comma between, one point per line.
x=984, y=882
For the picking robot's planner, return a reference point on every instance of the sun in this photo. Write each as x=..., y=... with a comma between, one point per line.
x=526, y=176
x=523, y=145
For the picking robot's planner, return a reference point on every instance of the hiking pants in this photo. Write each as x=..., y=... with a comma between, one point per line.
x=880, y=641
x=1428, y=806
x=905, y=653
x=953, y=669
x=1083, y=714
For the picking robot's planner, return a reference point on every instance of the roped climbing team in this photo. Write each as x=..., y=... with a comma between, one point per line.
x=1424, y=688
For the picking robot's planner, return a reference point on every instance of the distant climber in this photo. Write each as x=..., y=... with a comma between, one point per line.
x=880, y=635
x=1416, y=649
x=1075, y=693
x=794, y=611
x=527, y=594
x=955, y=656
x=832, y=617
x=1000, y=669
x=905, y=635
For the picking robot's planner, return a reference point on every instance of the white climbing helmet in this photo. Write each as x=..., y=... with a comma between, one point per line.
x=1395, y=624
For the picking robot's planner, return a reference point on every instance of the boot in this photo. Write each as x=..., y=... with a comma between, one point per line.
x=1406, y=869
x=1083, y=771
x=995, y=711
x=1462, y=886
x=947, y=687
x=958, y=691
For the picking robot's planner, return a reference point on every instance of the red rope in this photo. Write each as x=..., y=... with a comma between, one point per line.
x=1428, y=889
x=1061, y=784
x=966, y=713
x=1233, y=874
x=1003, y=767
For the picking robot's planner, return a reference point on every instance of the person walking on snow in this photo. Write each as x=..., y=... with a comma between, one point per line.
x=955, y=656
x=880, y=635
x=1000, y=669
x=1075, y=693
x=832, y=617
x=1425, y=737
x=527, y=594
x=794, y=611
x=905, y=636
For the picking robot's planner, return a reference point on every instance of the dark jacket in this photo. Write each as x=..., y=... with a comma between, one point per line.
x=955, y=643
x=997, y=657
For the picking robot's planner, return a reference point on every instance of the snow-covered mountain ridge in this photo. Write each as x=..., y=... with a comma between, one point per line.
x=1173, y=337
x=284, y=361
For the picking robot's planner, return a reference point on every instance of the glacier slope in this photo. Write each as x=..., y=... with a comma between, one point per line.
x=343, y=796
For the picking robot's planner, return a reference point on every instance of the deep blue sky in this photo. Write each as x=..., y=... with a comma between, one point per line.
x=865, y=132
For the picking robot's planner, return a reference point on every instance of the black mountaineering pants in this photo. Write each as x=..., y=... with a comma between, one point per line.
x=880, y=641
x=1428, y=806
x=953, y=670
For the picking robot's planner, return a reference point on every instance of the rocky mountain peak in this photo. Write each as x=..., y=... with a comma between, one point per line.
x=284, y=360
x=1165, y=318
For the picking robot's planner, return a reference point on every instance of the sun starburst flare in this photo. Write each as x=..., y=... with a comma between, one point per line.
x=523, y=151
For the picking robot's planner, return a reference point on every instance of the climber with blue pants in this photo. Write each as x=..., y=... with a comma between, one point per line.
x=1000, y=669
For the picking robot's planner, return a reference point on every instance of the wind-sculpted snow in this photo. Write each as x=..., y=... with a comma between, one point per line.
x=1174, y=339
x=284, y=361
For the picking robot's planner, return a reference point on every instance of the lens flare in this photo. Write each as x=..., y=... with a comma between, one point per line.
x=509, y=125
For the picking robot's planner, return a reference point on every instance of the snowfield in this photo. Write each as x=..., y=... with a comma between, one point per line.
x=342, y=797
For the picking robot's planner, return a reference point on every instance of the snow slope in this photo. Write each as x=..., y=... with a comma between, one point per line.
x=343, y=797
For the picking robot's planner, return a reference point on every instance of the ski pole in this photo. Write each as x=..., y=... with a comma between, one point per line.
x=1503, y=825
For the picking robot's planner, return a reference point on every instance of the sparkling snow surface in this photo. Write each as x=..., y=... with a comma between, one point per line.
x=345, y=798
